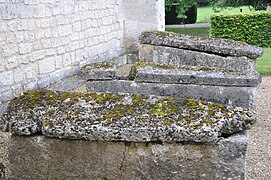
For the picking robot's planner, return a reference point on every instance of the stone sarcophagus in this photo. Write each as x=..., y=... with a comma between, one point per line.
x=180, y=112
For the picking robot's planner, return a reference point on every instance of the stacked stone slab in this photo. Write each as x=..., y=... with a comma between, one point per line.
x=181, y=112
x=214, y=70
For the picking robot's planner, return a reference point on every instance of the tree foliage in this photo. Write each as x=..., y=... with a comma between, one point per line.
x=181, y=6
x=237, y=3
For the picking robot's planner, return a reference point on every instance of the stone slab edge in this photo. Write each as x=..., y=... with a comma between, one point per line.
x=237, y=96
x=214, y=46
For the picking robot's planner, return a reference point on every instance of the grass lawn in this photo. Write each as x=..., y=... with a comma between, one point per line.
x=204, y=13
x=264, y=63
x=190, y=31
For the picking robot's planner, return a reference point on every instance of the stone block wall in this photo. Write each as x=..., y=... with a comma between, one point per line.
x=43, y=41
x=141, y=16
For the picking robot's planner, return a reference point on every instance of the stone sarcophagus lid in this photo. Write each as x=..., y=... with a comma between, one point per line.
x=180, y=112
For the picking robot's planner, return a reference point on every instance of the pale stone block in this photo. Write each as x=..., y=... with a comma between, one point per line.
x=31, y=71
x=56, y=42
x=12, y=62
x=24, y=59
x=29, y=85
x=50, y=52
x=9, y=49
x=31, y=24
x=25, y=48
x=66, y=59
x=19, y=75
x=37, y=55
x=66, y=30
x=46, y=43
x=2, y=37
x=48, y=11
x=48, y=33
x=56, y=10
x=74, y=45
x=65, y=41
x=17, y=90
x=23, y=24
x=10, y=37
x=45, y=23
x=40, y=34
x=6, y=78
x=59, y=62
x=61, y=50
x=47, y=65
x=74, y=36
x=77, y=26
x=31, y=36
x=12, y=25
x=37, y=45
x=73, y=56
x=6, y=95
x=19, y=36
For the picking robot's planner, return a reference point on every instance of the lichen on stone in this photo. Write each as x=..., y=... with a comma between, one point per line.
x=100, y=65
x=105, y=116
x=154, y=65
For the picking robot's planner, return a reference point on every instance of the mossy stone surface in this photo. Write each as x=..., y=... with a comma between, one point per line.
x=123, y=117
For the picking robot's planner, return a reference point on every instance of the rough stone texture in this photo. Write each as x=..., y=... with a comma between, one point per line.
x=124, y=72
x=202, y=44
x=175, y=56
x=67, y=84
x=196, y=77
x=99, y=71
x=45, y=158
x=130, y=118
x=237, y=96
x=259, y=154
x=4, y=154
x=43, y=42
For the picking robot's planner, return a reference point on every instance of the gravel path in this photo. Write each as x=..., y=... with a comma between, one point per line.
x=197, y=25
x=259, y=148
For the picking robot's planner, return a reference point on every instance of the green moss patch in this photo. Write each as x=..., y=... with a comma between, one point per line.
x=106, y=109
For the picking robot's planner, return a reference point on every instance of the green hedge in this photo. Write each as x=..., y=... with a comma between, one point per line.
x=253, y=28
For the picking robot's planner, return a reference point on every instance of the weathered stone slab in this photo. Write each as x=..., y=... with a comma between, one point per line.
x=196, y=77
x=124, y=72
x=237, y=96
x=201, y=44
x=99, y=71
x=175, y=56
x=68, y=83
x=38, y=157
x=130, y=118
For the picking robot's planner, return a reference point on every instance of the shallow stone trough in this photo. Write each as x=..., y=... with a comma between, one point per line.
x=180, y=112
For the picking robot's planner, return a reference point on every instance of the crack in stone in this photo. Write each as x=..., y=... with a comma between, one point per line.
x=122, y=169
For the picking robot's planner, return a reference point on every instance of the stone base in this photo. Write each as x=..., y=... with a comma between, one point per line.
x=4, y=162
x=39, y=157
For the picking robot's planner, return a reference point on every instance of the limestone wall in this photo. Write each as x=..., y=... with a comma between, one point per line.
x=43, y=41
x=141, y=16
